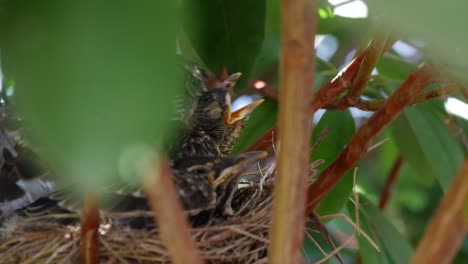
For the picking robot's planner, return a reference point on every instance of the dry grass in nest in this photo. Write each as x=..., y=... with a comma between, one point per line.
x=242, y=238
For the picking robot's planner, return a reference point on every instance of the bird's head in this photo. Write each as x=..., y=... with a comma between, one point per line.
x=214, y=107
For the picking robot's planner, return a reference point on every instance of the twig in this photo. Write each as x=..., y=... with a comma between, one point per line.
x=296, y=75
x=374, y=105
x=367, y=66
x=448, y=226
x=390, y=182
x=264, y=89
x=402, y=97
x=314, y=219
x=322, y=97
x=171, y=220
x=329, y=91
x=90, y=229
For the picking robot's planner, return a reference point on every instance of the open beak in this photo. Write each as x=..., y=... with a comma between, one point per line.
x=244, y=161
x=242, y=112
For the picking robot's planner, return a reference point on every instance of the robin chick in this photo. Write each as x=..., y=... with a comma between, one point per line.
x=235, y=124
x=222, y=173
x=214, y=128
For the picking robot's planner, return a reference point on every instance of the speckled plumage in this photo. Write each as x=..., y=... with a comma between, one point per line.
x=206, y=128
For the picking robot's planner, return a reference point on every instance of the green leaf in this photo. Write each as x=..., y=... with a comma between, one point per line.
x=93, y=79
x=442, y=37
x=392, y=66
x=226, y=33
x=394, y=247
x=427, y=143
x=341, y=129
x=368, y=253
x=262, y=119
x=397, y=246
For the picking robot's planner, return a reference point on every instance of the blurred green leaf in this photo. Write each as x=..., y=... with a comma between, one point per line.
x=226, y=33
x=367, y=252
x=395, y=244
x=93, y=79
x=427, y=144
x=442, y=37
x=394, y=247
x=394, y=67
x=341, y=128
x=262, y=119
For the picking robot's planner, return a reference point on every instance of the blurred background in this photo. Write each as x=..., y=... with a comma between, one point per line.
x=94, y=82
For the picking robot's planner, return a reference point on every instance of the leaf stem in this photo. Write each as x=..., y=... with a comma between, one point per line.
x=390, y=182
x=359, y=143
x=296, y=78
x=169, y=215
x=448, y=226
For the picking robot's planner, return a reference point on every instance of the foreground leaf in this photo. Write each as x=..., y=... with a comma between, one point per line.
x=93, y=80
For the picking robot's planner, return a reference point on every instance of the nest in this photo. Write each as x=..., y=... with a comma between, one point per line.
x=242, y=238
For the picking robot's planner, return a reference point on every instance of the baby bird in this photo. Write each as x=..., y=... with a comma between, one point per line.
x=214, y=128
x=218, y=174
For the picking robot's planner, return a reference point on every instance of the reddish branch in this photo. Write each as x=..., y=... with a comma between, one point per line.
x=358, y=145
x=448, y=226
x=168, y=213
x=296, y=78
x=390, y=182
x=322, y=97
x=329, y=91
x=375, y=105
x=374, y=52
x=90, y=230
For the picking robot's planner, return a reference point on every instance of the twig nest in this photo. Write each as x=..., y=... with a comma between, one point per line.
x=241, y=238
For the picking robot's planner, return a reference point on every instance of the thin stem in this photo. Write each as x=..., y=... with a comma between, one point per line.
x=90, y=229
x=390, y=182
x=169, y=215
x=448, y=226
x=296, y=78
x=358, y=145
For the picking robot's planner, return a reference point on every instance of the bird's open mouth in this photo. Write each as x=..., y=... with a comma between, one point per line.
x=232, y=117
x=241, y=113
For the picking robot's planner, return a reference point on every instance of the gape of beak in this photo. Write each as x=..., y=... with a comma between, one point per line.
x=241, y=113
x=243, y=162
